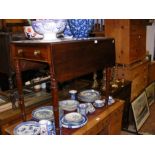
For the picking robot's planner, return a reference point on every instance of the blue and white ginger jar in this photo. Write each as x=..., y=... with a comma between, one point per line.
x=80, y=28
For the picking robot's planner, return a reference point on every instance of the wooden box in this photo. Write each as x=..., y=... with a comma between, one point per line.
x=137, y=73
x=130, y=39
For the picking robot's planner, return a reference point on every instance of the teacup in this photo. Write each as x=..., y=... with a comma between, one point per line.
x=99, y=103
x=82, y=109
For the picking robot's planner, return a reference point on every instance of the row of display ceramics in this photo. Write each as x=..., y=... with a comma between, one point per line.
x=70, y=120
x=50, y=29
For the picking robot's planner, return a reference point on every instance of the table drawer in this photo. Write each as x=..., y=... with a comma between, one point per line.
x=37, y=53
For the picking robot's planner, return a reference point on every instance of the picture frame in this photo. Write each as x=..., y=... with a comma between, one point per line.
x=150, y=93
x=3, y=99
x=140, y=109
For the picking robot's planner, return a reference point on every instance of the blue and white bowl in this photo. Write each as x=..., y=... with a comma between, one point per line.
x=81, y=28
x=99, y=103
x=49, y=28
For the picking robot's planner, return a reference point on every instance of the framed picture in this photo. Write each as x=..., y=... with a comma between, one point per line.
x=3, y=99
x=150, y=93
x=140, y=110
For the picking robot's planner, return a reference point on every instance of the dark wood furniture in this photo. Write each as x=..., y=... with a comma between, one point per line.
x=137, y=73
x=67, y=59
x=6, y=67
x=105, y=121
x=123, y=92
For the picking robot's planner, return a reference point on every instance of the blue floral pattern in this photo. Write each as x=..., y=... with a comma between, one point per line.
x=67, y=31
x=80, y=28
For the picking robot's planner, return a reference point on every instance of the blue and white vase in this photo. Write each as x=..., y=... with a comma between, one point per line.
x=81, y=28
x=67, y=32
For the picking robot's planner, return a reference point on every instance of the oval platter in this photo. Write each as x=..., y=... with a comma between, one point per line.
x=27, y=128
x=43, y=113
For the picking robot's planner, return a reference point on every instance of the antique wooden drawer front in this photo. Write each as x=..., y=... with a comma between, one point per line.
x=32, y=52
x=116, y=116
x=100, y=125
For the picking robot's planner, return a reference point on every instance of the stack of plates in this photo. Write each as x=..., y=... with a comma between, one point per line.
x=27, y=128
x=69, y=105
x=43, y=113
x=73, y=120
x=89, y=95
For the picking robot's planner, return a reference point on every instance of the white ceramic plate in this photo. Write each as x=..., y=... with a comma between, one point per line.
x=89, y=95
x=69, y=105
x=45, y=113
x=74, y=125
x=74, y=117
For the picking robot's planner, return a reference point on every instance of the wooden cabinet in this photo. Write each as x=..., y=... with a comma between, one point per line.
x=67, y=59
x=137, y=73
x=130, y=39
x=151, y=74
x=115, y=123
x=105, y=122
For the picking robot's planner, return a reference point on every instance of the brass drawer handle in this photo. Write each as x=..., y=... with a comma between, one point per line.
x=36, y=52
x=20, y=51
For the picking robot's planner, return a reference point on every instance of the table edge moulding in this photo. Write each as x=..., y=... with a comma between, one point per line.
x=67, y=59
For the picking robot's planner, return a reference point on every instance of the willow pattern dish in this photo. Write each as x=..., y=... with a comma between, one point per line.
x=43, y=113
x=74, y=117
x=74, y=125
x=27, y=128
x=89, y=95
x=68, y=105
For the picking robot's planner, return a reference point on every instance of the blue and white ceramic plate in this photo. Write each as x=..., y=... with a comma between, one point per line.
x=69, y=105
x=73, y=117
x=73, y=125
x=89, y=95
x=27, y=128
x=43, y=113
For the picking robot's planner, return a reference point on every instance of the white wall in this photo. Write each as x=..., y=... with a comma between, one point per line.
x=150, y=40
